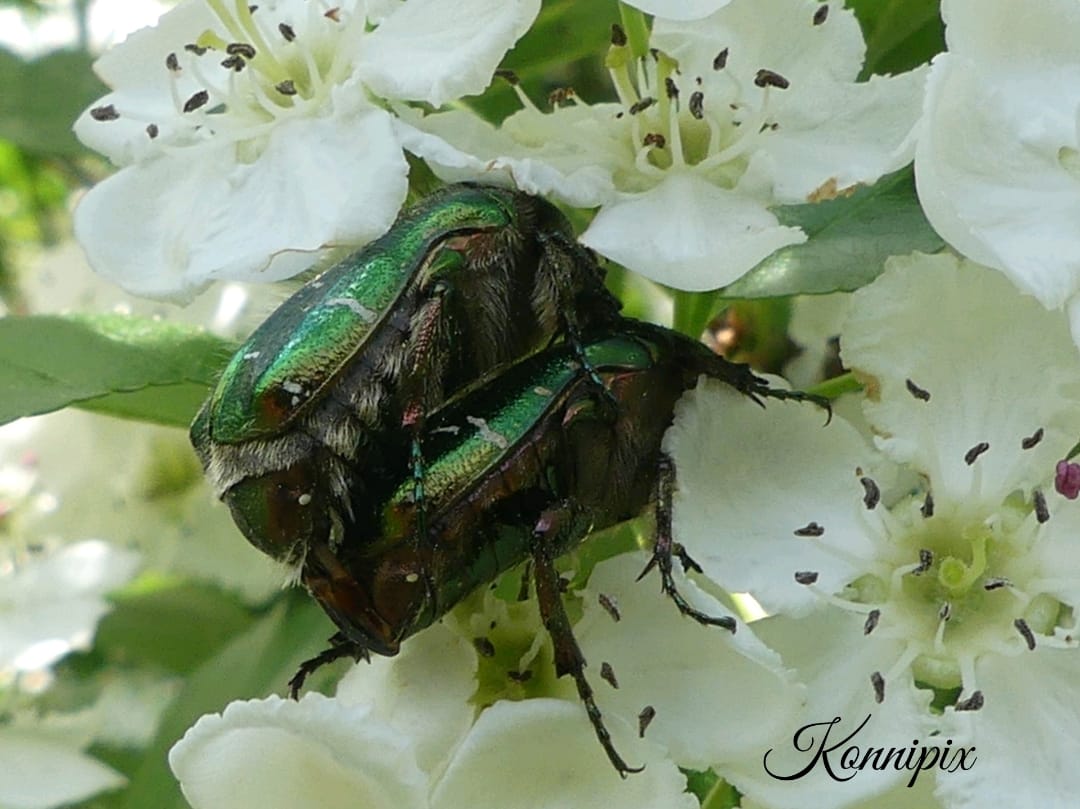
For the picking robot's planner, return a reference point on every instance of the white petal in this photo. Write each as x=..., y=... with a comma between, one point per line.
x=678, y=9
x=423, y=692
x=687, y=672
x=738, y=519
x=41, y=773
x=990, y=169
x=977, y=368
x=542, y=754
x=168, y=226
x=775, y=34
x=570, y=154
x=835, y=660
x=842, y=134
x=688, y=234
x=1025, y=735
x=273, y=753
x=436, y=50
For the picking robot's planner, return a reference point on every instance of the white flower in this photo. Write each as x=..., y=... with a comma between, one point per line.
x=998, y=157
x=755, y=106
x=966, y=583
x=441, y=725
x=251, y=136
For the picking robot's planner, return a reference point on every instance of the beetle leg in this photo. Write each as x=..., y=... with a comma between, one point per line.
x=568, y=656
x=562, y=255
x=665, y=548
x=340, y=647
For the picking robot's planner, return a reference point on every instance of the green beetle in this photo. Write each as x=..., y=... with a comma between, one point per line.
x=522, y=465
x=317, y=408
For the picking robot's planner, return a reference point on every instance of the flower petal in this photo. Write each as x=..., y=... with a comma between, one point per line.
x=835, y=660
x=995, y=164
x=300, y=195
x=272, y=753
x=42, y=773
x=542, y=754
x=687, y=672
x=739, y=523
x=1024, y=735
x=423, y=692
x=435, y=51
x=688, y=234
x=978, y=371
x=678, y=9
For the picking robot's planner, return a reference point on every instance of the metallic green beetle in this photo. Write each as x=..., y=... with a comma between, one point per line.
x=522, y=465
x=312, y=416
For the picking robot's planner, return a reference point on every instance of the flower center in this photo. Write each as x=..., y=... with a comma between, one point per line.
x=952, y=586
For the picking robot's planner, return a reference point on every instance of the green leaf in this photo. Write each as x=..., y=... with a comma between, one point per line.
x=850, y=238
x=42, y=98
x=900, y=34
x=134, y=367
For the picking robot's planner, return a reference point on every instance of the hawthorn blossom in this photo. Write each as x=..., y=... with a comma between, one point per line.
x=251, y=136
x=939, y=565
x=470, y=713
x=998, y=158
x=754, y=106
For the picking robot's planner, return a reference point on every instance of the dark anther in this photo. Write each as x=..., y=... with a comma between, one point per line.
x=1025, y=632
x=642, y=104
x=671, y=88
x=333, y=14
x=872, y=619
x=697, y=104
x=105, y=113
x=973, y=454
x=806, y=576
x=945, y=612
x=821, y=14
x=878, y=682
x=520, y=676
x=172, y=62
x=644, y=719
x=770, y=78
x=252, y=9
x=972, y=703
x=198, y=50
x=926, y=560
x=1042, y=513
x=655, y=54
x=286, y=88
x=286, y=31
x=152, y=130
x=1032, y=439
x=484, y=647
x=995, y=583
x=917, y=392
x=508, y=76
x=235, y=63
x=655, y=139
x=811, y=529
x=196, y=101
x=610, y=607
x=927, y=509
x=872, y=494
x=240, y=49
x=719, y=62
x=618, y=35
x=607, y=674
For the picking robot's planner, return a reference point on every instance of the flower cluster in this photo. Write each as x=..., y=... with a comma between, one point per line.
x=911, y=562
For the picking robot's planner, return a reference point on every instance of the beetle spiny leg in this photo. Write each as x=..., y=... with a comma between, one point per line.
x=568, y=656
x=340, y=647
x=664, y=548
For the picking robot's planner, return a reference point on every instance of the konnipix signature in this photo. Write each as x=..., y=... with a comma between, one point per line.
x=843, y=760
